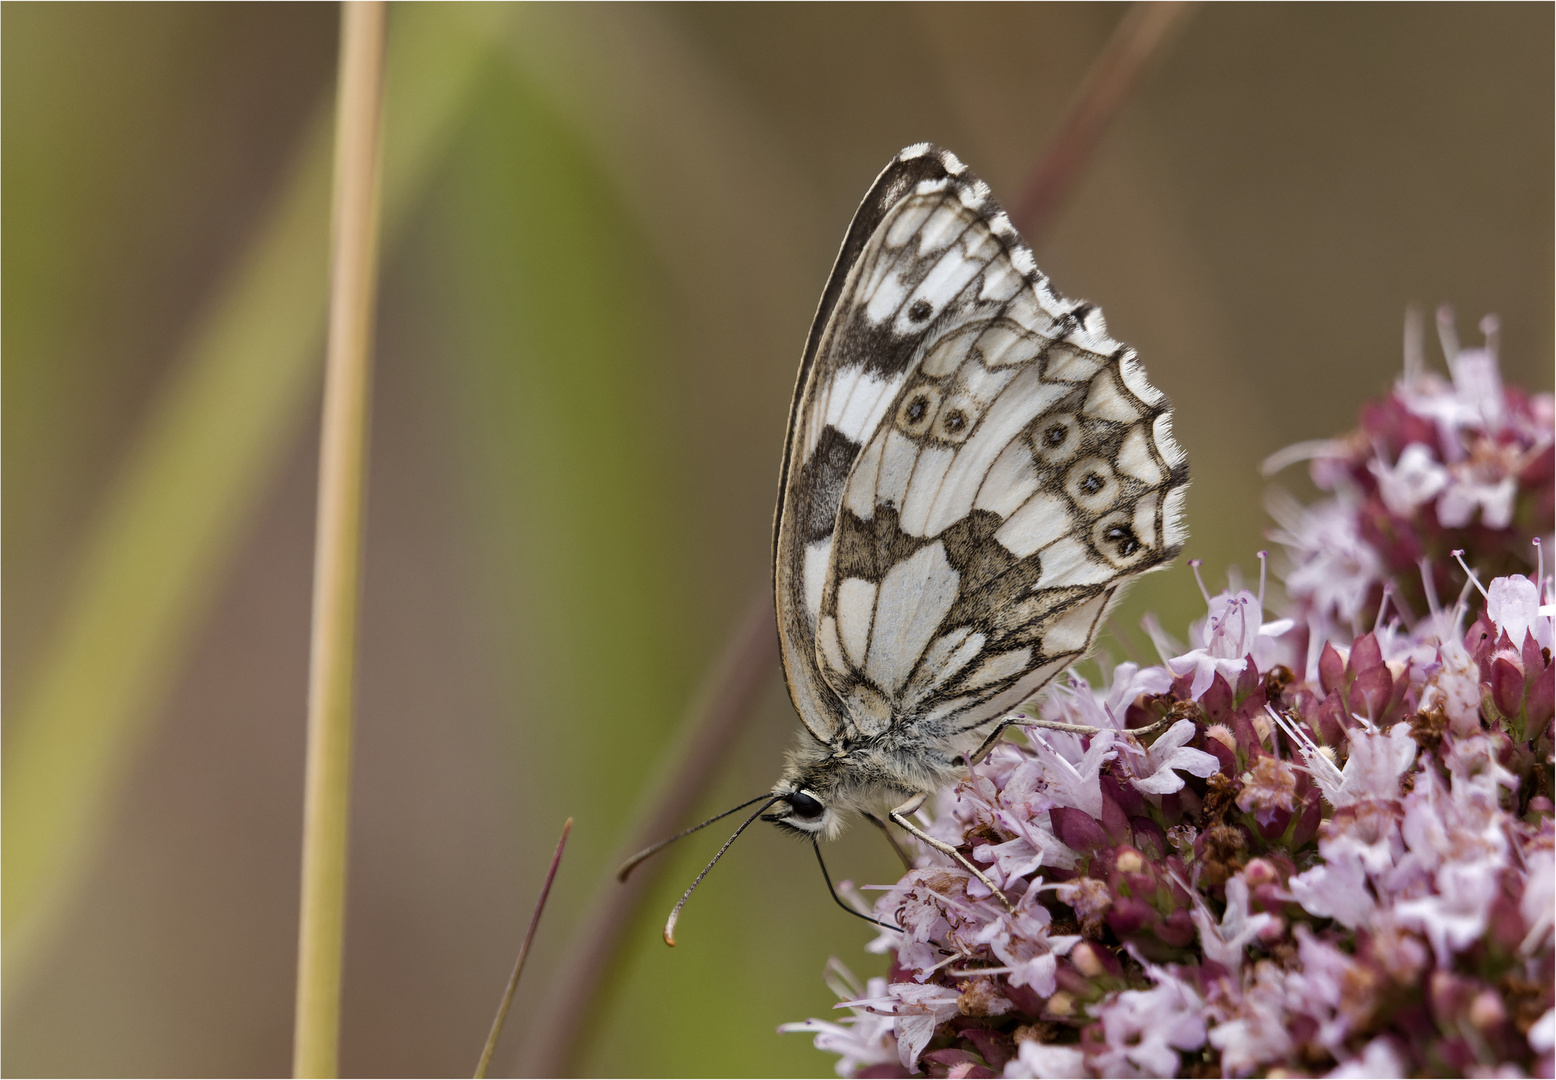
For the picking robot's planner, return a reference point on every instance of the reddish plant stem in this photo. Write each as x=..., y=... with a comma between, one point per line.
x=726, y=699
x=518, y=965
x=1139, y=36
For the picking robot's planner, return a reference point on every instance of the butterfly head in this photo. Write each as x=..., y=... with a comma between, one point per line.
x=820, y=785
x=802, y=811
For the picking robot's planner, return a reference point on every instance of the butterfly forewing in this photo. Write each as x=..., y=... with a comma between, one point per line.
x=973, y=469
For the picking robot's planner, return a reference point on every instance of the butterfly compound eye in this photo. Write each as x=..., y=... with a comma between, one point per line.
x=805, y=806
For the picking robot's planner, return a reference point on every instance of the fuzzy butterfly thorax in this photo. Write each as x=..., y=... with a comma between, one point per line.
x=973, y=471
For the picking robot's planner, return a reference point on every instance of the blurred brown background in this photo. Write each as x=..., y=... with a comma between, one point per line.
x=606, y=231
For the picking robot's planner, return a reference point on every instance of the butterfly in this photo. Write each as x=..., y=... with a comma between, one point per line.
x=973, y=472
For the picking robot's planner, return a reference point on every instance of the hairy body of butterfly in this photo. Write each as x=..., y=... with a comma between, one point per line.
x=973, y=471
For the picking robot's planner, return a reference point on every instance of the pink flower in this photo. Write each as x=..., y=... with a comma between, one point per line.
x=1145, y=1029
x=1270, y=785
x=1337, y=889
x=1036, y=1059
x=1542, y=1036
x=1073, y=701
x=1232, y=631
x=1071, y=784
x=1486, y=490
x=1154, y=767
x=1225, y=942
x=1454, y=687
x=1455, y=916
x=1414, y=479
x=1463, y=824
x=1378, y=1060
x=1255, y=1028
x=1539, y=900
x=1513, y=605
x=1334, y=568
x=1475, y=400
x=1373, y=770
x=919, y=1010
x=862, y=1040
x=1033, y=846
x=1021, y=940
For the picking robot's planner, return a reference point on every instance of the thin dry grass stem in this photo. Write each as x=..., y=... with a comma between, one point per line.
x=727, y=698
x=338, y=541
x=1140, y=34
x=518, y=965
x=173, y=518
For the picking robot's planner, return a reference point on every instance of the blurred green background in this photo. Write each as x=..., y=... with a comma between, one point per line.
x=606, y=229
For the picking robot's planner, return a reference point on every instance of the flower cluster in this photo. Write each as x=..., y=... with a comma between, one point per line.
x=1287, y=849
x=1435, y=466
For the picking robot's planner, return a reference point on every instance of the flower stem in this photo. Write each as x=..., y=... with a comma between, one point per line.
x=518, y=965
x=1140, y=34
x=338, y=540
x=748, y=662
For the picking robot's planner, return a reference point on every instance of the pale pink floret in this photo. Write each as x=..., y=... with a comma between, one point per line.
x=1378, y=1061
x=1513, y=605
x=1334, y=568
x=1034, y=846
x=1454, y=687
x=1155, y=768
x=1255, y=1017
x=1485, y=490
x=1073, y=701
x=1373, y=770
x=1270, y=786
x=866, y=1038
x=1145, y=1029
x=1041, y=1061
x=919, y=1010
x=1542, y=1036
x=1414, y=479
x=1539, y=899
x=1232, y=631
x=1225, y=942
x=1022, y=942
x=1072, y=779
x=1455, y=916
x=911, y=1012
x=1337, y=889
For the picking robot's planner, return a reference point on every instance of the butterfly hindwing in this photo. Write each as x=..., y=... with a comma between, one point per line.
x=973, y=468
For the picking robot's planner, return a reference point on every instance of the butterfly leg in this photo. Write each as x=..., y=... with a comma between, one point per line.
x=988, y=744
x=900, y=816
x=1053, y=725
x=907, y=863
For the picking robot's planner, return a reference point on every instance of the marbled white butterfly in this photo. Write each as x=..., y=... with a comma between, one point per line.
x=973, y=471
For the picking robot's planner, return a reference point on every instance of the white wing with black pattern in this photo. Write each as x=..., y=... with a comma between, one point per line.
x=973, y=470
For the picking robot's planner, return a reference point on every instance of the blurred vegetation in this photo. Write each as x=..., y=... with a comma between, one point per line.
x=606, y=230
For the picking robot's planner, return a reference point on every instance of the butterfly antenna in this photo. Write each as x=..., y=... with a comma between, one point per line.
x=631, y=864
x=838, y=899
x=687, y=895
